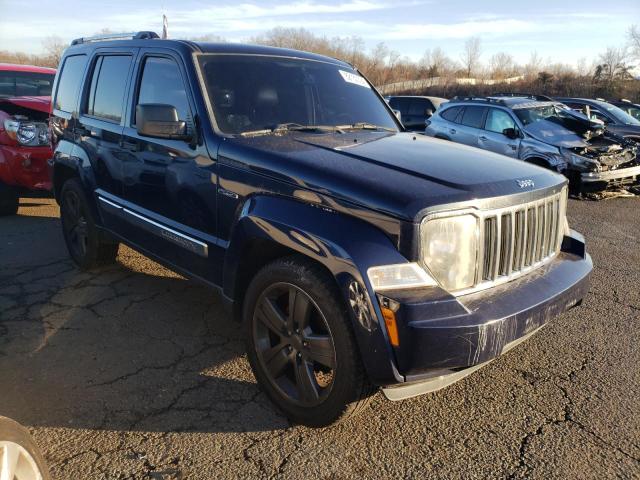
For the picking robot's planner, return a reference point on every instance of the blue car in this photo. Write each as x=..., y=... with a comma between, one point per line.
x=356, y=256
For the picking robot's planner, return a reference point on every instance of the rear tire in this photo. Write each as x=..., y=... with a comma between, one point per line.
x=8, y=200
x=85, y=242
x=315, y=376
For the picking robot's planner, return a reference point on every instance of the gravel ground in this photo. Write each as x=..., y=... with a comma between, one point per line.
x=133, y=372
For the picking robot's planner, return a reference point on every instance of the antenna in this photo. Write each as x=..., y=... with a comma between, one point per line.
x=165, y=27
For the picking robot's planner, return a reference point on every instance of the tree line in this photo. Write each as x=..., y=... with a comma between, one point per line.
x=608, y=75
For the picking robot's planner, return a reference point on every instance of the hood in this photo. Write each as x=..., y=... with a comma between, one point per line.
x=571, y=131
x=397, y=173
x=41, y=104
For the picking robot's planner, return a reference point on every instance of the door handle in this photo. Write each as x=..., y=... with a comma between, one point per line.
x=483, y=138
x=452, y=130
x=513, y=147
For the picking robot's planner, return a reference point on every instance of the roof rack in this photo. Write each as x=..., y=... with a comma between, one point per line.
x=143, y=35
x=477, y=99
x=532, y=96
x=625, y=100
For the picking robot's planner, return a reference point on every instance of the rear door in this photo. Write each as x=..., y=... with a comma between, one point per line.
x=100, y=124
x=471, y=124
x=493, y=138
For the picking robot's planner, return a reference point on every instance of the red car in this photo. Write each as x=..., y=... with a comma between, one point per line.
x=25, y=142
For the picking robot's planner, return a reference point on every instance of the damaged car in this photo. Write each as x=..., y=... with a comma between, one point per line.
x=545, y=133
x=614, y=118
x=25, y=143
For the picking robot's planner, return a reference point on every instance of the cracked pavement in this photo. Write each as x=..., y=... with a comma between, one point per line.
x=133, y=372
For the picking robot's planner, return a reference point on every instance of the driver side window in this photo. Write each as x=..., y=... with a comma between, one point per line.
x=498, y=121
x=162, y=83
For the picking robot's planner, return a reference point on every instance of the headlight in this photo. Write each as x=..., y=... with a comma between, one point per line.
x=450, y=249
x=403, y=275
x=32, y=134
x=580, y=161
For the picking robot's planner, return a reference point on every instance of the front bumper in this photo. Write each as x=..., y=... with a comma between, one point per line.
x=443, y=338
x=630, y=173
x=25, y=167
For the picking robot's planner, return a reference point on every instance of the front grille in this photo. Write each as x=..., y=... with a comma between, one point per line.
x=514, y=240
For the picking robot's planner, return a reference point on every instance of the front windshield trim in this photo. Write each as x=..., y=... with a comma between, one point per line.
x=204, y=88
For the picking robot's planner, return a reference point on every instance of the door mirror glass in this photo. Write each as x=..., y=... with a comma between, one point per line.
x=511, y=133
x=160, y=121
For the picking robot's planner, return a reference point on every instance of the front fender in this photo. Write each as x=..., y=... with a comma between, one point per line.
x=344, y=245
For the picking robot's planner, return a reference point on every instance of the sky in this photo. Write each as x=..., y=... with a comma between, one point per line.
x=564, y=31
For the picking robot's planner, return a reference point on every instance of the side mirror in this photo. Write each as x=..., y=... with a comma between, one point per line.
x=428, y=113
x=160, y=121
x=398, y=114
x=511, y=133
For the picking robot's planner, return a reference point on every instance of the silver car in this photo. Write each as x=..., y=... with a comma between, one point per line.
x=546, y=133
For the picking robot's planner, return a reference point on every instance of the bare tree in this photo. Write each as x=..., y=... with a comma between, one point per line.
x=612, y=65
x=470, y=56
x=502, y=66
x=534, y=65
x=53, y=47
x=633, y=36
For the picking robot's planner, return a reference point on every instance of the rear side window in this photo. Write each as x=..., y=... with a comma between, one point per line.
x=472, y=116
x=450, y=113
x=400, y=103
x=498, y=121
x=108, y=85
x=162, y=83
x=419, y=107
x=69, y=83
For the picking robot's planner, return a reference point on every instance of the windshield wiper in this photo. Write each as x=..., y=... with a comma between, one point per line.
x=291, y=127
x=365, y=126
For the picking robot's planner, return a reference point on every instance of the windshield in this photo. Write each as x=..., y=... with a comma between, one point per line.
x=252, y=93
x=545, y=112
x=617, y=113
x=18, y=84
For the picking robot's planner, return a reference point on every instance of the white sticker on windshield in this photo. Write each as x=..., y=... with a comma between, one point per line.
x=353, y=78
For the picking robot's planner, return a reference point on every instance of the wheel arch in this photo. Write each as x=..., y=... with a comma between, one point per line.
x=271, y=227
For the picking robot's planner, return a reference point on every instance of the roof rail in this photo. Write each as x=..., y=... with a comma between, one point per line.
x=477, y=99
x=532, y=96
x=143, y=35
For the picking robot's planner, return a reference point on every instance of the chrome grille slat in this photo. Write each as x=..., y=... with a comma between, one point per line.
x=514, y=240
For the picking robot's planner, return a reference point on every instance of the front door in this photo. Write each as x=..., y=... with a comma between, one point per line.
x=493, y=137
x=170, y=185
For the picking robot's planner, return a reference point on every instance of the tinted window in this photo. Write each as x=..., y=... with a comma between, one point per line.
x=16, y=84
x=400, y=103
x=450, y=113
x=69, y=83
x=162, y=83
x=255, y=93
x=498, y=121
x=419, y=106
x=472, y=116
x=108, y=85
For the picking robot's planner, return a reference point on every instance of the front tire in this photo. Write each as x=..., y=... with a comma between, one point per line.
x=8, y=200
x=301, y=346
x=19, y=455
x=87, y=247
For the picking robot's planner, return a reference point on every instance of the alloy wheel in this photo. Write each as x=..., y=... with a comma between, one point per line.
x=75, y=224
x=294, y=344
x=16, y=463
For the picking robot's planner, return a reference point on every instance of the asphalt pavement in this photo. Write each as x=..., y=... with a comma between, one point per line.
x=133, y=372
